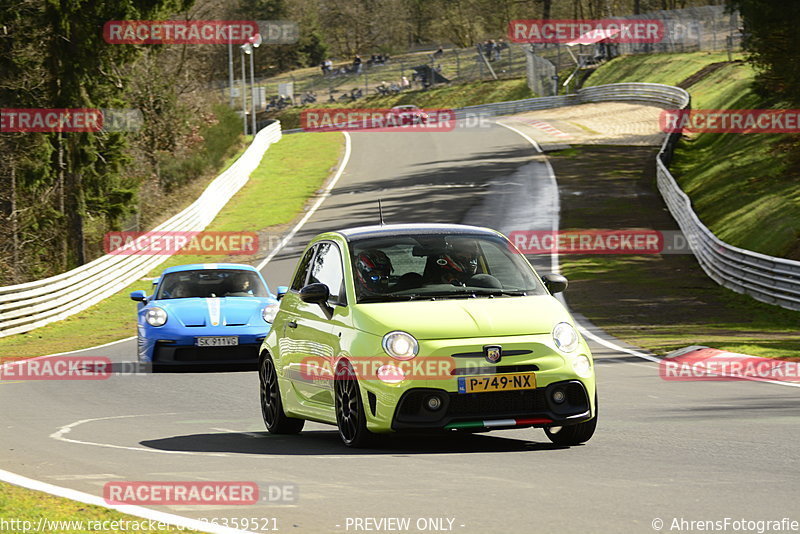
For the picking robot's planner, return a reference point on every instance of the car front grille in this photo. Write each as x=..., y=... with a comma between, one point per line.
x=168, y=354
x=496, y=403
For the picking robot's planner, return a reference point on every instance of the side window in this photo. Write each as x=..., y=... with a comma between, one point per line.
x=302, y=270
x=327, y=269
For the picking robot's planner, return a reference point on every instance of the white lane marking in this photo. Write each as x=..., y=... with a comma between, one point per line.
x=325, y=194
x=138, y=511
x=555, y=267
x=78, y=350
x=99, y=476
x=59, y=436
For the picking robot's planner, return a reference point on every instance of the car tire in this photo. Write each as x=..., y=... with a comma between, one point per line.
x=573, y=434
x=350, y=416
x=275, y=418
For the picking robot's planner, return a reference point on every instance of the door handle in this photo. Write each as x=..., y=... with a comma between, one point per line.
x=291, y=324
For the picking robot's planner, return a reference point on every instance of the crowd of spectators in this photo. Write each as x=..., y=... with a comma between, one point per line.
x=356, y=66
x=492, y=49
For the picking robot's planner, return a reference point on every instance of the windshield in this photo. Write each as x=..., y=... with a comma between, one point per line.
x=207, y=283
x=440, y=266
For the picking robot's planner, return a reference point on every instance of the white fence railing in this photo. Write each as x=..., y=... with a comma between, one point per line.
x=765, y=278
x=24, y=307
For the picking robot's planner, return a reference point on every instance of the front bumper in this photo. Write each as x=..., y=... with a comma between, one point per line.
x=175, y=349
x=400, y=406
x=531, y=407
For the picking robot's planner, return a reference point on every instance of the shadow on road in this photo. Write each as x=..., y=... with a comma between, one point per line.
x=321, y=442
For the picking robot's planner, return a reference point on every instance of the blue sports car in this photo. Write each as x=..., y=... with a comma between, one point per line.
x=204, y=314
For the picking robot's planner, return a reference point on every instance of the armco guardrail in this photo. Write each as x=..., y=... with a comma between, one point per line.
x=765, y=278
x=24, y=307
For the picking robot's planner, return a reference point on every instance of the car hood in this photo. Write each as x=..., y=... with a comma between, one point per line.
x=462, y=318
x=224, y=311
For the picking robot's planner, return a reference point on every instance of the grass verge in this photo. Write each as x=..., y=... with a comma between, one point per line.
x=20, y=505
x=744, y=187
x=670, y=69
x=657, y=302
x=296, y=167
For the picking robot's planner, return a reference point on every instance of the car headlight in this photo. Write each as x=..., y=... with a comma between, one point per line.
x=582, y=366
x=155, y=316
x=269, y=312
x=565, y=337
x=400, y=345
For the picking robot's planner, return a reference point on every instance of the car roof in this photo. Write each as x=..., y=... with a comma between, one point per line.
x=364, y=232
x=209, y=266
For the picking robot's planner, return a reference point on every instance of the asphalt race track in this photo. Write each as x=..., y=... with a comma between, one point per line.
x=663, y=449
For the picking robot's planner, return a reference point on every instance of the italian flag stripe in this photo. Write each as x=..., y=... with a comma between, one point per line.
x=499, y=422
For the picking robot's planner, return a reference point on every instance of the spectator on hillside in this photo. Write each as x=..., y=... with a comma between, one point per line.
x=499, y=47
x=404, y=83
x=439, y=53
x=490, y=49
x=357, y=64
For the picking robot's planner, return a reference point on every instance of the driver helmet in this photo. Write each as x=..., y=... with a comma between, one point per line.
x=460, y=258
x=373, y=268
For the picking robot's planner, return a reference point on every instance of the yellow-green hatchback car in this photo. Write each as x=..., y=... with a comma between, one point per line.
x=424, y=327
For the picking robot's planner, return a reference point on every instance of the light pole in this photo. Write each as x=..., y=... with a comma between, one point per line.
x=255, y=42
x=246, y=49
x=230, y=66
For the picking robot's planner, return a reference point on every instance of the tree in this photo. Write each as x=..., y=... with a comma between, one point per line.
x=83, y=72
x=770, y=38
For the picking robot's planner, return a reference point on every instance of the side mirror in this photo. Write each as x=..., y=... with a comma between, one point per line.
x=282, y=290
x=555, y=283
x=315, y=294
x=138, y=296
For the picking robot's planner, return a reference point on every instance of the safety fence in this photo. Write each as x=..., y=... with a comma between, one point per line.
x=24, y=307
